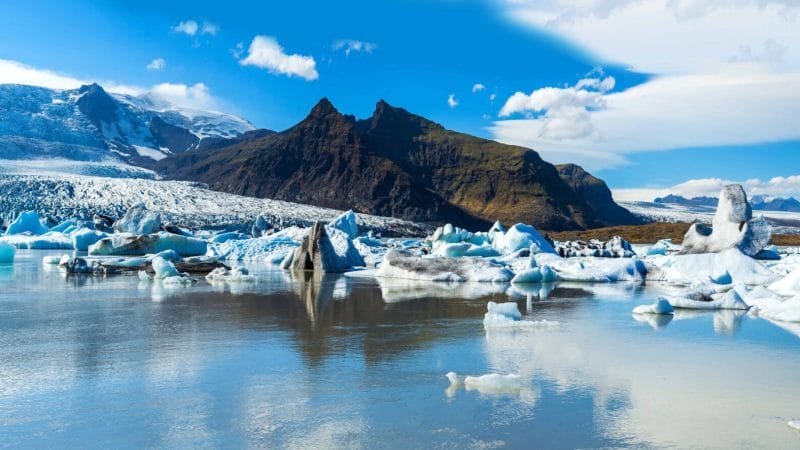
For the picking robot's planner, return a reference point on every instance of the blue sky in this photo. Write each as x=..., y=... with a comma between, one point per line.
x=655, y=114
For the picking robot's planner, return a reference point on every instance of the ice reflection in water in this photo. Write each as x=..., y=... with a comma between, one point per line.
x=340, y=361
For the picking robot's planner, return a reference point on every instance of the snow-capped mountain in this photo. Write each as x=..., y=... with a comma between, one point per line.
x=93, y=126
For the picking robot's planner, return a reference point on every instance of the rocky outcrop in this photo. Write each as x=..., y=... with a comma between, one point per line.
x=320, y=252
x=597, y=195
x=732, y=226
x=401, y=165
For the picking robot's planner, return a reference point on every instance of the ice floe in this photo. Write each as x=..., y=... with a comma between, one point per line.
x=661, y=306
x=235, y=275
x=7, y=252
x=493, y=383
x=507, y=315
x=27, y=222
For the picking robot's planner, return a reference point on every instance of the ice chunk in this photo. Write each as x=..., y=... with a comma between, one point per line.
x=260, y=227
x=55, y=260
x=465, y=249
x=600, y=270
x=133, y=245
x=138, y=220
x=685, y=269
x=788, y=285
x=27, y=222
x=616, y=247
x=65, y=227
x=663, y=247
x=732, y=226
x=234, y=275
x=403, y=264
x=372, y=250
x=542, y=274
x=48, y=241
x=272, y=249
x=519, y=237
x=346, y=223
x=728, y=300
x=85, y=237
x=507, y=315
x=7, y=252
x=661, y=306
x=231, y=235
x=794, y=424
x=166, y=272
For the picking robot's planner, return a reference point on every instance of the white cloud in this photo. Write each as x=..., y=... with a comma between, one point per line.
x=209, y=28
x=191, y=28
x=187, y=27
x=266, y=53
x=710, y=187
x=354, y=46
x=196, y=96
x=566, y=111
x=157, y=64
x=666, y=36
x=451, y=101
x=669, y=112
x=492, y=97
x=477, y=87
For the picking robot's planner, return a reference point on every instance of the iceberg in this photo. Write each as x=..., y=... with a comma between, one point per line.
x=166, y=272
x=346, y=223
x=534, y=273
x=27, y=222
x=372, y=250
x=493, y=383
x=235, y=275
x=794, y=424
x=135, y=245
x=272, y=249
x=685, y=269
x=48, y=241
x=83, y=238
x=728, y=300
x=138, y=220
x=661, y=306
x=400, y=263
x=7, y=252
x=616, y=247
x=519, y=237
x=788, y=285
x=732, y=226
x=507, y=315
x=231, y=235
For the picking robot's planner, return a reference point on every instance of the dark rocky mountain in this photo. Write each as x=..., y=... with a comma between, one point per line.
x=597, y=196
x=399, y=164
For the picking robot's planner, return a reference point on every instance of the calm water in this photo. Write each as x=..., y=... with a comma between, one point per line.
x=346, y=362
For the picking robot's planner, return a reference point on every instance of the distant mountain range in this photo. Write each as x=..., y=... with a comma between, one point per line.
x=757, y=202
x=91, y=125
x=393, y=163
x=399, y=164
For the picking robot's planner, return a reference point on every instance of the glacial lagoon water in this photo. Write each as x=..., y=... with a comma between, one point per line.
x=344, y=362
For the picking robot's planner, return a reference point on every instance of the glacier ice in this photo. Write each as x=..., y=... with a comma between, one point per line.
x=235, y=275
x=519, y=237
x=138, y=220
x=400, y=263
x=7, y=252
x=507, y=315
x=732, y=226
x=83, y=238
x=166, y=272
x=493, y=383
x=27, y=222
x=126, y=244
x=346, y=223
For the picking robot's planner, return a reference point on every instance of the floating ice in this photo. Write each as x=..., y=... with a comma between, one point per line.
x=616, y=247
x=661, y=306
x=48, y=241
x=133, y=245
x=27, y=222
x=795, y=424
x=138, y=220
x=599, y=270
x=465, y=249
x=402, y=264
x=272, y=249
x=7, y=253
x=346, y=223
x=85, y=237
x=728, y=300
x=684, y=269
x=519, y=237
x=234, y=275
x=507, y=315
x=55, y=260
x=168, y=274
x=372, y=250
x=663, y=247
x=231, y=235
x=788, y=285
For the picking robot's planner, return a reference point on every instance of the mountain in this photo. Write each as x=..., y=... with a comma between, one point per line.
x=402, y=165
x=695, y=201
x=597, y=195
x=91, y=125
x=757, y=202
x=766, y=203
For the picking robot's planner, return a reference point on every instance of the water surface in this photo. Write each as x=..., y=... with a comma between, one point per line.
x=354, y=362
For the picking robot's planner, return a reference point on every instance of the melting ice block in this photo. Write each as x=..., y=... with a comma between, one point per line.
x=661, y=306
x=138, y=220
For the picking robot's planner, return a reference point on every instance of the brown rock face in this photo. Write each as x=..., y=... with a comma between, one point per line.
x=394, y=164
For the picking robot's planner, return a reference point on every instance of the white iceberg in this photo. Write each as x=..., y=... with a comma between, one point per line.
x=519, y=237
x=138, y=220
x=794, y=424
x=507, y=315
x=685, y=269
x=272, y=249
x=661, y=306
x=346, y=223
x=493, y=383
x=135, y=245
x=83, y=238
x=48, y=241
x=166, y=272
x=728, y=300
x=235, y=275
x=402, y=264
x=788, y=285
